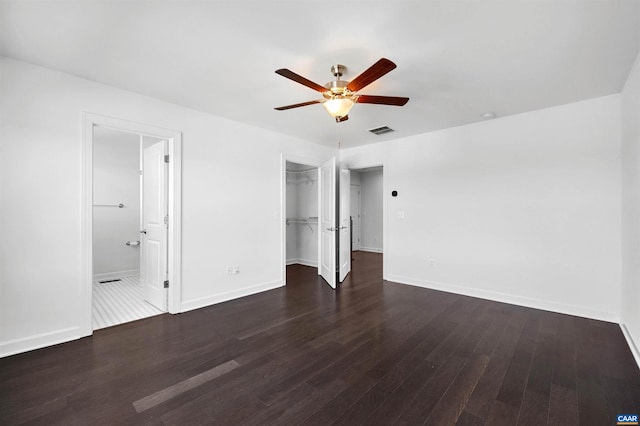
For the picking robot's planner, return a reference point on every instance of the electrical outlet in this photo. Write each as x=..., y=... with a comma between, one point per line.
x=432, y=262
x=229, y=270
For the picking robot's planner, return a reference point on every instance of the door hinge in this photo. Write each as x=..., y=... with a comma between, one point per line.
x=166, y=284
x=166, y=158
x=166, y=220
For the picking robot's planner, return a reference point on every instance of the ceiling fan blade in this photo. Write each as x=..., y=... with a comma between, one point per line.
x=341, y=119
x=300, y=79
x=382, y=100
x=373, y=73
x=282, y=108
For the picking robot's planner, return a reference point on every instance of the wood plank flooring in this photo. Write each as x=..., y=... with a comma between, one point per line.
x=374, y=352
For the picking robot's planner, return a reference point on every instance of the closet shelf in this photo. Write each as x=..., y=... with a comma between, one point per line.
x=312, y=169
x=310, y=174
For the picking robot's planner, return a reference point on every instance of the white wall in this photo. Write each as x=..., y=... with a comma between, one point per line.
x=116, y=161
x=231, y=200
x=371, y=191
x=355, y=177
x=524, y=209
x=630, y=135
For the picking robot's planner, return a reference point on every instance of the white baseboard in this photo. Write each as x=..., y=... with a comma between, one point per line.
x=115, y=275
x=371, y=249
x=304, y=262
x=38, y=341
x=632, y=344
x=545, y=305
x=230, y=295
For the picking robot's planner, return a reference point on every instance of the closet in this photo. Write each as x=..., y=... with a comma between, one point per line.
x=302, y=214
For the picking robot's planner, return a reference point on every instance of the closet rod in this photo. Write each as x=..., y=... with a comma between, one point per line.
x=109, y=205
x=313, y=169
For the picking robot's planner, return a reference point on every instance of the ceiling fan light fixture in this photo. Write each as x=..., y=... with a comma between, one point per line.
x=340, y=95
x=338, y=106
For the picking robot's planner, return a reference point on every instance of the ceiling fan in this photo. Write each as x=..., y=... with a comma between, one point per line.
x=340, y=95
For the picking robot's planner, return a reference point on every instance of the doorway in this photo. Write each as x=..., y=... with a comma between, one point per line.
x=367, y=210
x=126, y=184
x=131, y=221
x=301, y=202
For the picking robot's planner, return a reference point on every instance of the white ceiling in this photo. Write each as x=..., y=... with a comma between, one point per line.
x=456, y=59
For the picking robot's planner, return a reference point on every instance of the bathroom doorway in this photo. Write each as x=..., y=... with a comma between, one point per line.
x=125, y=175
x=131, y=221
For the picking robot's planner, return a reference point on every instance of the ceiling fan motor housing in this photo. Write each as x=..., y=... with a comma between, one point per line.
x=336, y=87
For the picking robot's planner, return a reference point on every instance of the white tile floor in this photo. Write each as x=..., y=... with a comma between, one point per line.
x=119, y=302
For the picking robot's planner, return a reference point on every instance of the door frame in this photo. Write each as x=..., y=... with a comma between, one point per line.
x=344, y=230
x=174, y=265
x=284, y=158
x=359, y=203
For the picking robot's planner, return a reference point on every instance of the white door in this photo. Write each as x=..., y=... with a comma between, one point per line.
x=328, y=222
x=153, y=268
x=355, y=215
x=344, y=238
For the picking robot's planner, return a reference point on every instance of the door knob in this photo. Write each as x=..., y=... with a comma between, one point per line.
x=143, y=231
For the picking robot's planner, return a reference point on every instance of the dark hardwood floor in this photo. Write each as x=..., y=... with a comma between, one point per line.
x=371, y=353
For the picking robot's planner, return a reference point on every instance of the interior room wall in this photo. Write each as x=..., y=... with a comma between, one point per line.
x=630, y=136
x=371, y=210
x=230, y=189
x=523, y=209
x=355, y=177
x=116, y=161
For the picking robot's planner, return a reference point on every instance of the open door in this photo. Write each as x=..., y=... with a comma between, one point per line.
x=153, y=270
x=328, y=222
x=344, y=239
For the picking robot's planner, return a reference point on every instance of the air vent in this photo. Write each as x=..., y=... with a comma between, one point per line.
x=381, y=130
